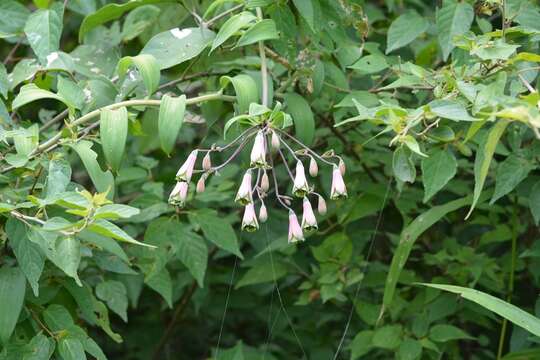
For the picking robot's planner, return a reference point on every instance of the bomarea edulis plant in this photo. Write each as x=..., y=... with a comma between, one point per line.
x=270, y=144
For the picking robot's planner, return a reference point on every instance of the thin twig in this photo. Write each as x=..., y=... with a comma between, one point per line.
x=264, y=70
x=12, y=52
x=222, y=15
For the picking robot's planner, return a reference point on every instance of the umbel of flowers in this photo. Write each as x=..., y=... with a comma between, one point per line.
x=270, y=143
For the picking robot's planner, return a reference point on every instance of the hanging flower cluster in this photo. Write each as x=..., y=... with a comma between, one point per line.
x=270, y=143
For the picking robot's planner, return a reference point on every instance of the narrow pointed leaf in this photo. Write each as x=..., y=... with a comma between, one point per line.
x=147, y=66
x=171, y=118
x=113, y=132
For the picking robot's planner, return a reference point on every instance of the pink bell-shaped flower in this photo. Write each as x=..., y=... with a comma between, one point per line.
x=309, y=222
x=300, y=187
x=338, y=189
x=179, y=194
x=258, y=152
x=295, y=231
x=243, y=196
x=249, y=222
x=186, y=170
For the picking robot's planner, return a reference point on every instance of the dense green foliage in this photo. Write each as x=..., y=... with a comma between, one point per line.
x=433, y=106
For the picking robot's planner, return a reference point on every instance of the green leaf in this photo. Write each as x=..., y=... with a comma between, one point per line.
x=43, y=31
x=111, y=12
x=31, y=92
x=171, y=118
x=534, y=202
x=193, y=253
x=175, y=46
x=387, y=337
x=162, y=284
x=404, y=30
x=370, y=64
x=449, y=109
x=245, y=88
x=71, y=93
x=12, y=289
x=512, y=171
x=217, y=230
x=103, y=180
x=444, y=333
x=264, y=269
x=29, y=256
x=232, y=26
x=147, y=66
x=39, y=348
x=361, y=344
x=4, y=82
x=495, y=50
x=484, y=154
x=58, y=177
x=138, y=20
x=437, y=170
x=453, y=19
x=307, y=10
x=406, y=242
x=57, y=317
x=114, y=293
x=116, y=211
x=13, y=16
x=113, y=128
x=105, y=228
x=262, y=30
x=304, y=121
x=403, y=166
x=71, y=349
x=68, y=256
x=508, y=311
x=410, y=349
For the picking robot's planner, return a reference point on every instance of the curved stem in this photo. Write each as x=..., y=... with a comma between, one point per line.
x=264, y=71
x=278, y=196
x=305, y=147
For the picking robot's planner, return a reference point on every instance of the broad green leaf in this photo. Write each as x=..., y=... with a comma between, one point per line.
x=29, y=256
x=453, y=19
x=113, y=128
x=114, y=293
x=232, y=26
x=58, y=177
x=412, y=144
x=495, y=50
x=437, y=170
x=304, y=121
x=43, y=31
x=4, y=82
x=364, y=98
x=445, y=332
x=13, y=16
x=71, y=349
x=404, y=30
x=406, y=242
x=534, y=202
x=370, y=64
x=403, y=166
x=171, y=118
x=264, y=269
x=162, y=284
x=71, y=93
x=450, y=109
x=147, y=66
x=245, y=89
x=39, y=348
x=361, y=344
x=506, y=310
x=307, y=9
x=12, y=289
x=57, y=317
x=116, y=211
x=175, y=46
x=193, y=253
x=106, y=228
x=410, y=349
x=217, y=230
x=138, y=20
x=68, y=256
x=512, y=171
x=484, y=154
x=387, y=337
x=31, y=92
x=262, y=30
x=111, y=12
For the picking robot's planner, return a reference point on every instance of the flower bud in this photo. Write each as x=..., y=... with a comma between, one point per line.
x=258, y=152
x=342, y=167
x=313, y=167
x=249, y=222
x=200, y=185
x=338, y=189
x=295, y=231
x=275, y=141
x=243, y=196
x=207, y=162
x=265, y=183
x=186, y=170
x=179, y=194
x=300, y=187
x=263, y=213
x=321, y=206
x=309, y=222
